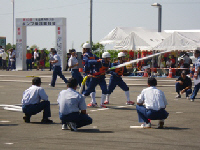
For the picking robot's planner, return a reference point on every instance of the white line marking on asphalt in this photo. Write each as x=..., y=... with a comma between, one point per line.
x=111, y=108
x=179, y=112
x=103, y=108
x=120, y=106
x=4, y=121
x=11, y=107
x=136, y=127
x=94, y=127
x=9, y=143
x=94, y=110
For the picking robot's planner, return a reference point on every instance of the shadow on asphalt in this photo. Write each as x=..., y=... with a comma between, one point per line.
x=93, y=131
x=175, y=128
x=8, y=124
x=125, y=108
x=43, y=123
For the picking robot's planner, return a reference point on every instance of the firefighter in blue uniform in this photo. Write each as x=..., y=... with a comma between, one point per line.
x=87, y=55
x=98, y=70
x=116, y=79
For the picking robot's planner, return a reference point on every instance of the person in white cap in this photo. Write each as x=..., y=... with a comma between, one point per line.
x=116, y=79
x=97, y=73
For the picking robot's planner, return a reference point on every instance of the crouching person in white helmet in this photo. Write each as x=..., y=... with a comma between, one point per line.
x=98, y=70
x=116, y=79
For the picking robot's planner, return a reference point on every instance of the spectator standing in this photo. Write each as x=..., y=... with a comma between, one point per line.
x=42, y=59
x=50, y=59
x=67, y=66
x=1, y=51
x=196, y=74
x=72, y=107
x=73, y=65
x=29, y=60
x=186, y=61
x=57, y=70
x=4, y=59
x=36, y=58
x=11, y=62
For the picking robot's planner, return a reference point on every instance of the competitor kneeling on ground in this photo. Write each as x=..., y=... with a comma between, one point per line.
x=32, y=104
x=98, y=70
x=151, y=104
x=116, y=79
x=183, y=84
x=70, y=103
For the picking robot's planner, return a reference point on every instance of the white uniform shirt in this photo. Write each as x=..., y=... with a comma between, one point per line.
x=33, y=95
x=11, y=56
x=72, y=61
x=186, y=60
x=152, y=98
x=35, y=55
x=70, y=101
x=4, y=55
x=1, y=51
x=56, y=57
x=197, y=63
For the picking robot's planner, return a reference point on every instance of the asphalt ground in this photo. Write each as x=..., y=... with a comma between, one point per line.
x=110, y=128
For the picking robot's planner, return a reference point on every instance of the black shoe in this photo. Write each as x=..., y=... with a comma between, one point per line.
x=26, y=119
x=46, y=121
x=161, y=125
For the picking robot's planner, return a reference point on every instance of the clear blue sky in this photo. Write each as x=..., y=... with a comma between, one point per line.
x=107, y=14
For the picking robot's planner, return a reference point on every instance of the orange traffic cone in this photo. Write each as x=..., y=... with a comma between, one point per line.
x=170, y=73
x=145, y=73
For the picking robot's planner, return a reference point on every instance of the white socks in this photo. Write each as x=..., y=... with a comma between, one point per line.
x=93, y=97
x=127, y=95
x=103, y=97
x=107, y=97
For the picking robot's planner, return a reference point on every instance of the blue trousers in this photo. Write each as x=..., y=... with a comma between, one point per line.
x=29, y=64
x=11, y=65
x=93, y=83
x=87, y=84
x=33, y=109
x=77, y=75
x=57, y=72
x=145, y=114
x=195, y=91
x=180, y=87
x=76, y=117
x=114, y=81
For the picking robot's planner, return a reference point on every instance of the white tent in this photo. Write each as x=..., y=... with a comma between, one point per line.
x=119, y=33
x=180, y=41
x=141, y=40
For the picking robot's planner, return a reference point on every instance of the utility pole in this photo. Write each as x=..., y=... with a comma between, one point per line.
x=91, y=23
x=13, y=2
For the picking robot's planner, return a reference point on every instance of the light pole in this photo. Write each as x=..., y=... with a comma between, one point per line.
x=159, y=15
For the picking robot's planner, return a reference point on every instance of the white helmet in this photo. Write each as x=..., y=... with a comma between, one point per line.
x=86, y=45
x=121, y=54
x=106, y=55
